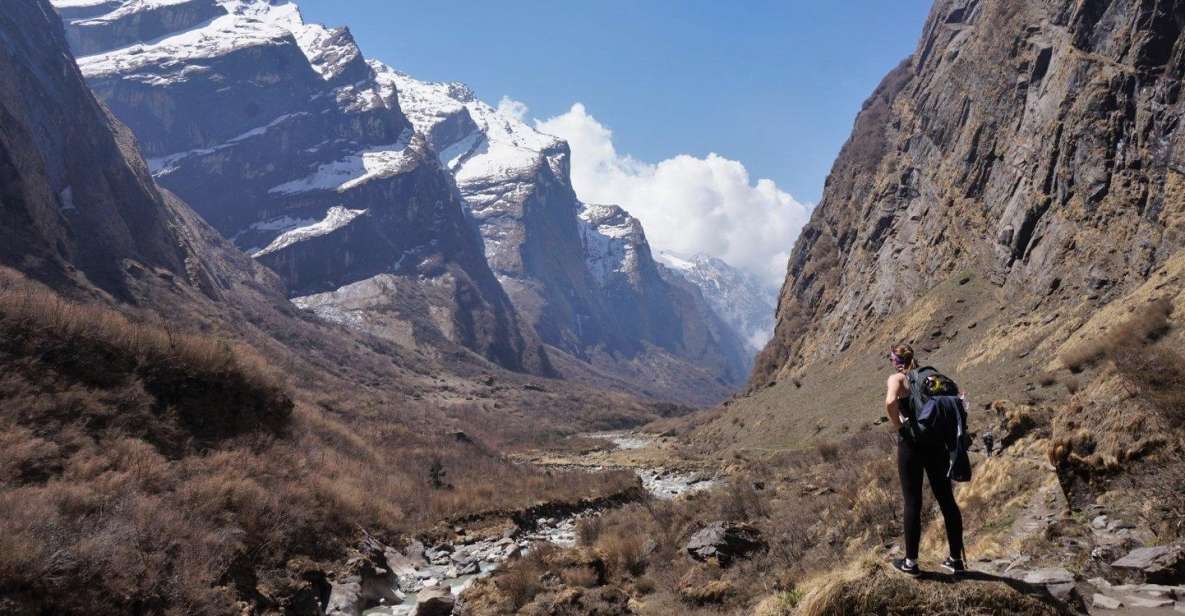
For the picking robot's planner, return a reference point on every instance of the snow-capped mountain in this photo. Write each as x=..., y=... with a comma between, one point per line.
x=583, y=275
x=740, y=298
x=280, y=135
x=363, y=188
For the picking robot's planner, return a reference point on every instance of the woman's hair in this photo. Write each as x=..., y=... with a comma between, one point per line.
x=902, y=357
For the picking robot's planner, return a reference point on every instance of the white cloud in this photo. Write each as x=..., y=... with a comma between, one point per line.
x=686, y=204
x=511, y=108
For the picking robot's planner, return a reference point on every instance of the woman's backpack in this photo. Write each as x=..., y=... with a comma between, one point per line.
x=939, y=417
x=926, y=383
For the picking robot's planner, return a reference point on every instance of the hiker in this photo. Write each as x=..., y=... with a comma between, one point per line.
x=917, y=456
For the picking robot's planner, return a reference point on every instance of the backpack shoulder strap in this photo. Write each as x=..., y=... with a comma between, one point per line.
x=912, y=377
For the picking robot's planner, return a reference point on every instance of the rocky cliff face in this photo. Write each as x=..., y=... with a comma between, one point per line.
x=77, y=204
x=583, y=275
x=1034, y=144
x=278, y=134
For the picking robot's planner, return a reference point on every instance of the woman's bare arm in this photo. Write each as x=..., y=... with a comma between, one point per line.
x=895, y=387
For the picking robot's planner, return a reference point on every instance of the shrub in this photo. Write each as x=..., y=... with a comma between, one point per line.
x=828, y=451
x=588, y=530
x=740, y=502
x=623, y=551
x=146, y=469
x=780, y=604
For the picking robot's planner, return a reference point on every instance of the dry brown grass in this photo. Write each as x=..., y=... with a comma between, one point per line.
x=623, y=550
x=811, y=514
x=868, y=588
x=1157, y=374
x=1144, y=324
x=588, y=530
x=149, y=470
x=828, y=451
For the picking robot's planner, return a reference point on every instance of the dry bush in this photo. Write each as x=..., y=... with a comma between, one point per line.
x=780, y=604
x=521, y=582
x=1072, y=383
x=828, y=451
x=149, y=470
x=202, y=389
x=740, y=502
x=871, y=501
x=588, y=530
x=623, y=550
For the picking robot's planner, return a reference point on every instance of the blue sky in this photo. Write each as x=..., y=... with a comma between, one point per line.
x=774, y=85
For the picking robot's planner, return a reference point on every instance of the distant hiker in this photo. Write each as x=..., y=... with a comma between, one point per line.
x=922, y=448
x=988, y=441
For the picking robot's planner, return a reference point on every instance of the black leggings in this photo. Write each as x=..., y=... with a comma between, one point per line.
x=912, y=460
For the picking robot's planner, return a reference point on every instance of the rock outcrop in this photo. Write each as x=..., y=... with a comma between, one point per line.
x=1035, y=143
x=1162, y=564
x=77, y=204
x=279, y=135
x=724, y=542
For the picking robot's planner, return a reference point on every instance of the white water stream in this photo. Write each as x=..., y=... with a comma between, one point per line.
x=457, y=566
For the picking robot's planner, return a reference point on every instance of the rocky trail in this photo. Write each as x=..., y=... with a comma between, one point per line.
x=1110, y=537
x=426, y=577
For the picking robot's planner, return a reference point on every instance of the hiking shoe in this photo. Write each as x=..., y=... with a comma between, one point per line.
x=954, y=565
x=906, y=568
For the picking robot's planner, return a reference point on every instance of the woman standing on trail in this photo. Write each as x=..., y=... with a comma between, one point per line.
x=915, y=459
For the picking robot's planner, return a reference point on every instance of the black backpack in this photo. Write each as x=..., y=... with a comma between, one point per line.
x=926, y=383
x=938, y=417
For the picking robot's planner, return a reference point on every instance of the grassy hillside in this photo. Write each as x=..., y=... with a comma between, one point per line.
x=149, y=470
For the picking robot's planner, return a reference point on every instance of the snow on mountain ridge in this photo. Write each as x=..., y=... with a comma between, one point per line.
x=356, y=169
x=277, y=132
x=336, y=218
x=741, y=299
x=247, y=23
x=498, y=144
x=611, y=237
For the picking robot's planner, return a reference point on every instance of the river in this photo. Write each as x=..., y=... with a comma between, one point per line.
x=457, y=566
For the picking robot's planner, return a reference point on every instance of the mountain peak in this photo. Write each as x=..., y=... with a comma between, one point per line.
x=742, y=300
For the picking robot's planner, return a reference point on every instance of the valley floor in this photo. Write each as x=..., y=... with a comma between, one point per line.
x=827, y=525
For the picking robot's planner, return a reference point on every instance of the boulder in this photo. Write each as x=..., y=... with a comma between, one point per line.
x=1058, y=581
x=724, y=542
x=345, y=599
x=1103, y=602
x=309, y=597
x=1149, y=602
x=435, y=602
x=365, y=581
x=1162, y=564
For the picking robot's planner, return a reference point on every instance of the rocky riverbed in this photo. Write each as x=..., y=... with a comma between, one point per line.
x=437, y=574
